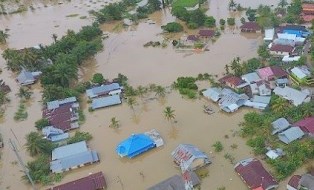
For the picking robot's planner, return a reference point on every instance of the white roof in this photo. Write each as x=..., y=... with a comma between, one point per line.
x=300, y=72
x=269, y=34
x=287, y=36
x=297, y=97
x=272, y=154
x=287, y=58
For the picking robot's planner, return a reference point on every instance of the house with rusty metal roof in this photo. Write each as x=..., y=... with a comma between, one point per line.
x=94, y=181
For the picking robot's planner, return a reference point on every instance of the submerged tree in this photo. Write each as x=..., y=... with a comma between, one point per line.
x=35, y=144
x=114, y=123
x=3, y=37
x=160, y=91
x=169, y=114
x=131, y=103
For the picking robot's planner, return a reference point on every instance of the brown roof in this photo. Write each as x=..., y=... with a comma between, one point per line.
x=60, y=117
x=250, y=26
x=294, y=181
x=92, y=182
x=234, y=80
x=254, y=174
x=306, y=124
x=308, y=8
x=281, y=48
x=206, y=33
x=192, y=37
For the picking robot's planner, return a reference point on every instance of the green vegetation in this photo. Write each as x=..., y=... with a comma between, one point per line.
x=256, y=128
x=184, y=3
x=37, y=145
x=21, y=113
x=169, y=114
x=41, y=123
x=114, y=123
x=80, y=136
x=194, y=19
x=238, y=68
x=231, y=21
x=3, y=37
x=98, y=78
x=210, y=22
x=72, y=15
x=25, y=93
x=186, y=86
x=172, y=27
x=263, y=51
x=218, y=146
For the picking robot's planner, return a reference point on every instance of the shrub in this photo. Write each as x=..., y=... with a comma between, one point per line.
x=210, y=22
x=218, y=146
x=40, y=124
x=172, y=27
x=98, y=78
x=192, y=25
x=231, y=21
x=80, y=136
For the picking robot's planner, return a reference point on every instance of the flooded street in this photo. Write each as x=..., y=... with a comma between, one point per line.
x=124, y=53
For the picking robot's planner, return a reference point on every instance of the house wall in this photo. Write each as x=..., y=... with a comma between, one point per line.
x=279, y=53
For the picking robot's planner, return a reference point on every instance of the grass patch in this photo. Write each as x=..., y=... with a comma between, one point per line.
x=185, y=3
x=72, y=15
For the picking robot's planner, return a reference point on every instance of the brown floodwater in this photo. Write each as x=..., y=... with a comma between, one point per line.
x=124, y=53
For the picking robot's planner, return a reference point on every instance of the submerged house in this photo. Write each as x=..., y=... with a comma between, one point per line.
x=306, y=125
x=54, y=134
x=27, y=78
x=206, y=33
x=296, y=97
x=298, y=30
x=137, y=144
x=106, y=101
x=212, y=93
x=231, y=101
x=233, y=82
x=189, y=157
x=62, y=114
x=94, y=181
x=290, y=135
x=271, y=73
x=281, y=50
x=254, y=175
x=258, y=102
x=279, y=125
x=72, y=156
x=177, y=182
x=250, y=27
x=104, y=90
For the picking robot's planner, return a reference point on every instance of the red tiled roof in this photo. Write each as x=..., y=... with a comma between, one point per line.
x=250, y=26
x=308, y=7
x=294, y=181
x=92, y=182
x=206, y=33
x=255, y=175
x=281, y=48
x=234, y=80
x=306, y=124
x=59, y=117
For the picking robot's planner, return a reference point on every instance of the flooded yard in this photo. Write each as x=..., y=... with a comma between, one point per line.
x=124, y=53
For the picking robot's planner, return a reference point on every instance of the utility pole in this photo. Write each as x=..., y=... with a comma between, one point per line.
x=26, y=171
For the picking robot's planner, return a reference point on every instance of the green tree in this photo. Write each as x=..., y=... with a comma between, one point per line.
x=154, y=5
x=197, y=17
x=41, y=123
x=222, y=22
x=232, y=5
x=172, y=27
x=131, y=103
x=279, y=105
x=64, y=73
x=218, y=146
x=181, y=13
x=231, y=21
x=25, y=92
x=3, y=37
x=282, y=3
x=210, y=22
x=80, y=136
x=160, y=91
x=169, y=114
x=98, y=78
x=35, y=144
x=114, y=123
x=263, y=51
x=236, y=67
x=242, y=20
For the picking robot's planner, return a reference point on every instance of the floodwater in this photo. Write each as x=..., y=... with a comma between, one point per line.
x=124, y=53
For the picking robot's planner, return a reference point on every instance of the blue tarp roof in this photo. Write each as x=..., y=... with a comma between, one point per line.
x=135, y=145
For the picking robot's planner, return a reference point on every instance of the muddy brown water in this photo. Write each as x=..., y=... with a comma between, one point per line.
x=124, y=53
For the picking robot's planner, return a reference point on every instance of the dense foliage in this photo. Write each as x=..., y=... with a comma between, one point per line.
x=172, y=27
x=41, y=123
x=186, y=86
x=80, y=136
x=238, y=69
x=98, y=78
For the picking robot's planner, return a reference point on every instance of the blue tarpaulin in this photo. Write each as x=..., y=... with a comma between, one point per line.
x=134, y=145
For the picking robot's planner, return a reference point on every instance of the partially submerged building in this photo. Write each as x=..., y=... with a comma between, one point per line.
x=189, y=157
x=72, y=156
x=137, y=144
x=54, y=134
x=104, y=90
x=27, y=78
x=231, y=101
x=62, y=114
x=250, y=27
x=296, y=97
x=290, y=135
x=213, y=94
x=233, y=82
x=293, y=183
x=105, y=101
x=254, y=175
x=94, y=181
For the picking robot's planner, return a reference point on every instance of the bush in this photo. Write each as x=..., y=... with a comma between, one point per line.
x=218, y=146
x=40, y=124
x=173, y=27
x=98, y=78
x=210, y=22
x=192, y=25
x=222, y=22
x=80, y=136
x=231, y=21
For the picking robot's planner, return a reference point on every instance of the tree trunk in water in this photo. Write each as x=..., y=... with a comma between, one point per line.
x=163, y=3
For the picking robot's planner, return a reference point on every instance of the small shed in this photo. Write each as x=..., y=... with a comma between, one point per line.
x=290, y=135
x=54, y=134
x=274, y=153
x=279, y=125
x=189, y=157
x=25, y=78
x=135, y=145
x=102, y=90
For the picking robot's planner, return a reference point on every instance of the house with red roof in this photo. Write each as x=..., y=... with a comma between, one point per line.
x=293, y=183
x=271, y=73
x=281, y=50
x=250, y=27
x=254, y=175
x=306, y=125
x=205, y=33
x=94, y=181
x=307, y=12
x=233, y=82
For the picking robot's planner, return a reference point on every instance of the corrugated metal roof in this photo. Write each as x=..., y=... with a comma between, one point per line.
x=261, y=99
x=69, y=150
x=301, y=72
x=65, y=163
x=297, y=97
x=290, y=135
x=99, y=90
x=105, y=101
x=251, y=77
x=280, y=125
x=55, y=138
x=57, y=103
x=212, y=93
x=25, y=77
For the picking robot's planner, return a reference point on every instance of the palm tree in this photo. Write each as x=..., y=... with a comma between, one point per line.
x=13, y=58
x=54, y=37
x=65, y=73
x=35, y=144
x=25, y=92
x=279, y=105
x=29, y=57
x=169, y=114
x=3, y=37
x=131, y=102
x=160, y=91
x=282, y=3
x=114, y=123
x=232, y=5
x=141, y=91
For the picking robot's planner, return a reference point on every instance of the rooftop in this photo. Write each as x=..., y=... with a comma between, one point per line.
x=69, y=150
x=250, y=26
x=282, y=48
x=105, y=101
x=206, y=33
x=270, y=72
x=306, y=124
x=294, y=181
x=102, y=90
